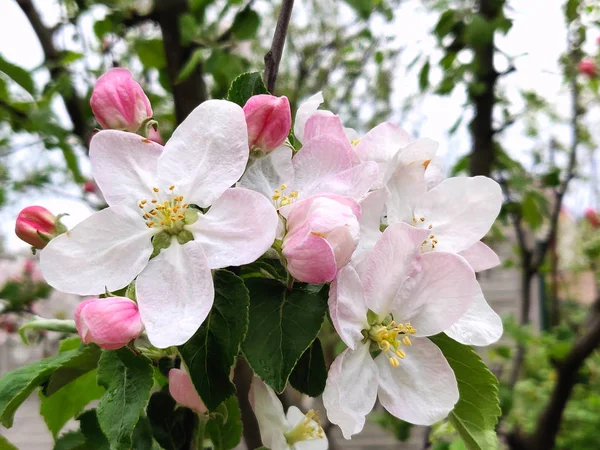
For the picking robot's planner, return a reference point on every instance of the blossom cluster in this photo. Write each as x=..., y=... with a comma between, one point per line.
x=371, y=214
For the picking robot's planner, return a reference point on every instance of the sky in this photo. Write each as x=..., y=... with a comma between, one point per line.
x=538, y=30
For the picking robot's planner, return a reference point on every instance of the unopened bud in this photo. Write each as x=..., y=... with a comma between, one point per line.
x=269, y=120
x=36, y=226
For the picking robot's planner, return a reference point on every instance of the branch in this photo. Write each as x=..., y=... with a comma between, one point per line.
x=273, y=56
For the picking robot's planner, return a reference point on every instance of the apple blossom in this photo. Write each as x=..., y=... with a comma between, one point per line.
x=294, y=431
x=322, y=234
x=183, y=391
x=119, y=102
x=155, y=198
x=587, y=66
x=592, y=217
x=269, y=120
x=390, y=303
x=110, y=322
x=36, y=226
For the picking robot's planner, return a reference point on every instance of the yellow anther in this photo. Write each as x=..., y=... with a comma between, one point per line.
x=430, y=227
x=153, y=212
x=154, y=201
x=406, y=340
x=294, y=194
x=171, y=187
x=394, y=362
x=422, y=219
x=285, y=201
x=150, y=224
x=155, y=189
x=143, y=202
x=392, y=323
x=355, y=142
x=141, y=206
x=431, y=237
x=180, y=216
x=276, y=196
x=414, y=219
x=283, y=187
x=400, y=354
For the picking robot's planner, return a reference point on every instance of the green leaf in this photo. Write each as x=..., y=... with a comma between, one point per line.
x=73, y=440
x=39, y=323
x=226, y=434
x=310, y=373
x=282, y=326
x=424, y=76
x=142, y=435
x=190, y=66
x=19, y=75
x=71, y=161
x=187, y=28
x=82, y=363
x=245, y=24
x=245, y=86
x=476, y=414
x=551, y=178
x=69, y=401
x=363, y=8
x=128, y=379
x=5, y=445
x=16, y=386
x=173, y=428
x=211, y=352
x=151, y=53
x=102, y=27
x=479, y=32
x=445, y=24
x=94, y=437
x=531, y=211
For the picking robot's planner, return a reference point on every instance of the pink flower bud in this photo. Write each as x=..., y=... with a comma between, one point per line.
x=90, y=187
x=154, y=135
x=592, y=217
x=118, y=102
x=323, y=233
x=36, y=226
x=183, y=391
x=587, y=66
x=269, y=120
x=109, y=322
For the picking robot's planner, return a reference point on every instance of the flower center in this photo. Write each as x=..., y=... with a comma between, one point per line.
x=170, y=213
x=308, y=429
x=389, y=337
x=430, y=241
x=281, y=199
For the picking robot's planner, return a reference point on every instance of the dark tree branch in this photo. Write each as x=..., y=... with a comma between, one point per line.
x=273, y=56
x=242, y=377
x=52, y=57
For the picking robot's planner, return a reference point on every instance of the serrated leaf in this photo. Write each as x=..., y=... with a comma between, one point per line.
x=73, y=440
x=226, y=435
x=128, y=379
x=245, y=24
x=19, y=75
x=17, y=385
x=69, y=401
x=211, y=352
x=245, y=86
x=90, y=428
x=282, y=326
x=476, y=414
x=86, y=360
x=310, y=373
x=172, y=428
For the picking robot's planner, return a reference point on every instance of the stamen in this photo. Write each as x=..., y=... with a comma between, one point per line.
x=400, y=354
x=171, y=187
x=394, y=362
x=155, y=189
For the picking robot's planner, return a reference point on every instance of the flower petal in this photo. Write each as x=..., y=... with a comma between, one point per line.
x=351, y=390
x=372, y=207
x=238, y=228
x=461, y=211
x=269, y=172
x=207, y=153
x=325, y=124
x=347, y=306
x=480, y=257
x=269, y=414
x=480, y=325
x=124, y=166
x=439, y=295
x=105, y=251
x=309, y=257
x=422, y=389
x=305, y=110
x=175, y=293
x=394, y=258
x=184, y=392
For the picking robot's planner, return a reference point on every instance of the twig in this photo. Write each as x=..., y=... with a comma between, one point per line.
x=273, y=56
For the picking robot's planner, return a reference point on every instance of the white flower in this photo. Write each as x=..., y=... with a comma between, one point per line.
x=390, y=303
x=294, y=431
x=154, y=193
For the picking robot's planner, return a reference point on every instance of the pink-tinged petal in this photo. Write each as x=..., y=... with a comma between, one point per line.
x=394, y=258
x=327, y=125
x=268, y=173
x=347, y=307
x=269, y=120
x=310, y=258
x=183, y=391
x=372, y=207
x=238, y=228
x=124, y=166
x=105, y=251
x=480, y=325
x=175, y=294
x=305, y=111
x=109, y=322
x=461, y=211
x=434, y=174
x=269, y=414
x=480, y=257
x=351, y=390
x=422, y=390
x=435, y=298
x=207, y=153
x=302, y=208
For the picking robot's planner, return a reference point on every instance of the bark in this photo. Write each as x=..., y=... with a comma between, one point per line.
x=273, y=56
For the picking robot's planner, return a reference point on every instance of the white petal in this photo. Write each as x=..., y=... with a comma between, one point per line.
x=394, y=258
x=105, y=251
x=480, y=257
x=422, y=389
x=175, y=293
x=269, y=414
x=207, y=153
x=347, y=306
x=351, y=390
x=270, y=172
x=305, y=110
x=124, y=166
x=372, y=207
x=238, y=228
x=439, y=295
x=461, y=211
x=434, y=174
x=480, y=325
